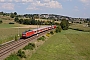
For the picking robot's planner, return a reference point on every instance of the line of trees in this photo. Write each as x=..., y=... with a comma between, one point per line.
x=12, y=15
x=64, y=23
x=32, y=21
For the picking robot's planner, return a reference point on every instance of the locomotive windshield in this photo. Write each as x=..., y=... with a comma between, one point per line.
x=29, y=30
x=24, y=33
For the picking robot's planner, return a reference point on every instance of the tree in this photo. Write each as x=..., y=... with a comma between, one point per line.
x=58, y=29
x=33, y=22
x=88, y=19
x=27, y=21
x=64, y=24
x=12, y=15
x=1, y=13
x=15, y=13
x=21, y=21
x=88, y=24
x=4, y=14
x=0, y=21
x=16, y=19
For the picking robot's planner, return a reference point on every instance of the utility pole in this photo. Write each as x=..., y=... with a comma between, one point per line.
x=18, y=32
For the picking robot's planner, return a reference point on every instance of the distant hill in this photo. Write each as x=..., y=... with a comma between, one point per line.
x=11, y=16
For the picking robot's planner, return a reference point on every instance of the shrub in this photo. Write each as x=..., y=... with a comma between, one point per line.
x=16, y=38
x=41, y=38
x=12, y=57
x=48, y=34
x=30, y=46
x=51, y=32
x=11, y=23
x=21, y=54
x=58, y=29
x=20, y=35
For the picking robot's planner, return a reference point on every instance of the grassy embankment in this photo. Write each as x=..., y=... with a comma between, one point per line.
x=67, y=45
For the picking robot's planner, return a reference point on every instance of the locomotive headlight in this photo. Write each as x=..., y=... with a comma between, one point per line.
x=24, y=35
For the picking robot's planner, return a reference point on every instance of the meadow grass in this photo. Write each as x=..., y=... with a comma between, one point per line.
x=58, y=47
x=81, y=43
x=13, y=57
x=81, y=27
x=67, y=45
x=8, y=34
x=8, y=25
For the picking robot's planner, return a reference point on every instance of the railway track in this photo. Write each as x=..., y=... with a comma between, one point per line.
x=6, y=49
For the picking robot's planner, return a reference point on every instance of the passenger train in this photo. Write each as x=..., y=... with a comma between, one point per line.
x=30, y=33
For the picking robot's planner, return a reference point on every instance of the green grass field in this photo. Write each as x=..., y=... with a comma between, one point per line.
x=8, y=34
x=13, y=57
x=82, y=44
x=82, y=27
x=67, y=45
x=8, y=25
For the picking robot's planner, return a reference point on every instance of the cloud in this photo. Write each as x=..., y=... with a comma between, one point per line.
x=7, y=6
x=1, y=0
x=10, y=0
x=33, y=3
x=17, y=0
x=86, y=2
x=37, y=5
x=53, y=4
x=45, y=4
x=33, y=8
x=46, y=0
x=76, y=8
x=66, y=0
x=25, y=1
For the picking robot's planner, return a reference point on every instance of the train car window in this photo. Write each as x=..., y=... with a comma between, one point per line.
x=24, y=33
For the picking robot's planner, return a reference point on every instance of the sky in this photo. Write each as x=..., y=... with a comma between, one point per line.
x=71, y=8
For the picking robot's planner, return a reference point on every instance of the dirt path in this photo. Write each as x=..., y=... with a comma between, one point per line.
x=31, y=26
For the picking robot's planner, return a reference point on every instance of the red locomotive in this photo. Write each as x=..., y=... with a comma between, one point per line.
x=30, y=33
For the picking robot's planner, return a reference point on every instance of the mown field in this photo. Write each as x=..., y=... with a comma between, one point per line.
x=67, y=45
x=81, y=27
x=8, y=25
